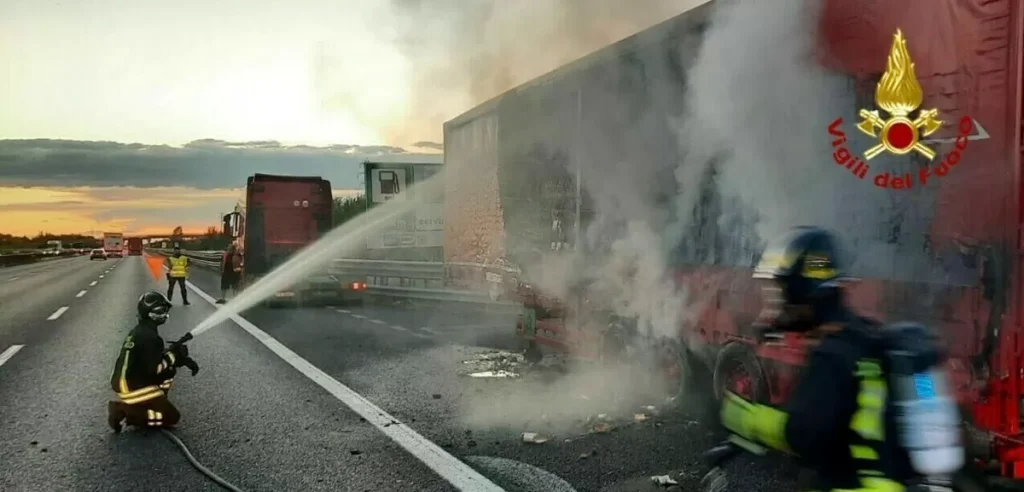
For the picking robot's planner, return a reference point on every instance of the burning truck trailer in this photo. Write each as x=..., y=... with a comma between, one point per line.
x=547, y=172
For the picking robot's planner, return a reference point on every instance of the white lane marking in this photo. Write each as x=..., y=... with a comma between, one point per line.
x=358, y=316
x=93, y=283
x=457, y=473
x=56, y=314
x=12, y=279
x=377, y=322
x=430, y=330
x=80, y=293
x=343, y=311
x=399, y=328
x=7, y=354
x=101, y=276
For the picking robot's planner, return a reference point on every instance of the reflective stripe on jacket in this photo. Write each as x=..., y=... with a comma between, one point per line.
x=179, y=267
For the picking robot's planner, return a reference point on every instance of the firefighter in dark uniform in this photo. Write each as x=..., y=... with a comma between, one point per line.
x=833, y=420
x=144, y=370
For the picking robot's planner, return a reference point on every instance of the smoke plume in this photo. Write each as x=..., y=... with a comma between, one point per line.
x=462, y=53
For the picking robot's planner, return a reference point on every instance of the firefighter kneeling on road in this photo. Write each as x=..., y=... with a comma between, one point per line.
x=850, y=419
x=144, y=370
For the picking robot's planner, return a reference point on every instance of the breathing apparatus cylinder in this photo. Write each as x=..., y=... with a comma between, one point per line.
x=926, y=414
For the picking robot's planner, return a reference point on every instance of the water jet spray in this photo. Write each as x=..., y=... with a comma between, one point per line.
x=341, y=240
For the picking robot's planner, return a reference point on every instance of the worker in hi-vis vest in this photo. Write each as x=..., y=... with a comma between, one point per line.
x=177, y=272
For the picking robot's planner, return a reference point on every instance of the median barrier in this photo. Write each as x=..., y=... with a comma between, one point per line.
x=420, y=282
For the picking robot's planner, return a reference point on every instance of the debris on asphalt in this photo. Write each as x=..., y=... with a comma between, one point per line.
x=355, y=452
x=534, y=438
x=471, y=443
x=600, y=424
x=663, y=480
x=501, y=356
x=494, y=374
x=493, y=364
x=640, y=417
x=588, y=454
x=437, y=396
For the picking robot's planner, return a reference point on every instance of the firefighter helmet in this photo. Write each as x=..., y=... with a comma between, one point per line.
x=154, y=306
x=806, y=266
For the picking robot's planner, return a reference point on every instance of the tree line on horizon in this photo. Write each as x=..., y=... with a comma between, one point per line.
x=345, y=209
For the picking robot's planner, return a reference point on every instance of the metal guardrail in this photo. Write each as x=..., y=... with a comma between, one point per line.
x=209, y=259
x=26, y=258
x=420, y=280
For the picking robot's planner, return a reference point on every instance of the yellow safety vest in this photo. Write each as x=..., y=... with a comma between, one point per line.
x=179, y=267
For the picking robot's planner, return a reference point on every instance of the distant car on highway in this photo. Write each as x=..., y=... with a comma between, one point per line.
x=98, y=254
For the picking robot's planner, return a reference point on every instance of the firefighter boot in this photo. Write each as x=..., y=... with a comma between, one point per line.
x=115, y=414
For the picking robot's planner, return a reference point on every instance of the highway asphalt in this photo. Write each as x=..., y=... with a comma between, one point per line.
x=345, y=398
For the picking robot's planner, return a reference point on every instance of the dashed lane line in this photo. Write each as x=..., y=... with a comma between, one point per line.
x=462, y=476
x=93, y=283
x=430, y=330
x=101, y=276
x=358, y=316
x=80, y=293
x=12, y=279
x=7, y=354
x=406, y=330
x=343, y=311
x=56, y=314
x=377, y=322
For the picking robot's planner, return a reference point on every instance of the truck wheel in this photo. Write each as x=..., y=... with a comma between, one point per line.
x=686, y=380
x=613, y=346
x=674, y=368
x=532, y=354
x=738, y=370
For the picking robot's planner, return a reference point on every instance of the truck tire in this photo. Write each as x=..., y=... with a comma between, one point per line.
x=532, y=353
x=738, y=370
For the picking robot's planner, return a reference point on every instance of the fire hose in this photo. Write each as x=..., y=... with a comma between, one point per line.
x=197, y=465
x=184, y=449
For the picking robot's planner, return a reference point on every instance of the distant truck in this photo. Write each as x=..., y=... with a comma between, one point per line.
x=134, y=246
x=113, y=243
x=53, y=248
x=276, y=217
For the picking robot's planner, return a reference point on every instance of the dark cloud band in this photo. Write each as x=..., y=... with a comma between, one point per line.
x=204, y=164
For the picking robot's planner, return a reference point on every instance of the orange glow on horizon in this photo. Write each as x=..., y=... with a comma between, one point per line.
x=140, y=211
x=84, y=210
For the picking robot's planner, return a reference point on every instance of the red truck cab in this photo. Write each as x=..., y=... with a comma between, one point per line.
x=276, y=217
x=134, y=246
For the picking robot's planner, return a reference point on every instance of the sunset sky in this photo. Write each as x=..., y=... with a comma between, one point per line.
x=141, y=116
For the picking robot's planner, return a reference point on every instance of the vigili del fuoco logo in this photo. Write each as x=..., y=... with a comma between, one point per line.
x=899, y=94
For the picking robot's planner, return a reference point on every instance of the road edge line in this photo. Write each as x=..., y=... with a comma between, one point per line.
x=447, y=466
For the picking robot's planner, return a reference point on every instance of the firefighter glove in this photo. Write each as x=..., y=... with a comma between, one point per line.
x=190, y=364
x=180, y=352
